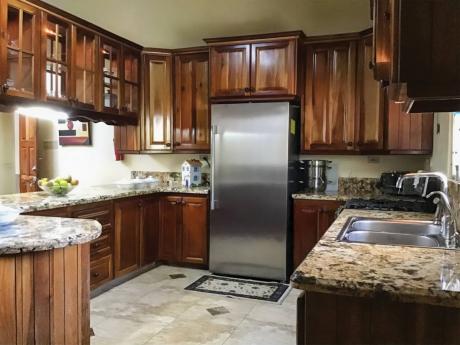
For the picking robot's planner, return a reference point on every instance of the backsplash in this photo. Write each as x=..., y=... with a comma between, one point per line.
x=358, y=186
x=165, y=177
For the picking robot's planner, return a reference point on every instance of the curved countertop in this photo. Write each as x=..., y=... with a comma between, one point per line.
x=408, y=274
x=37, y=201
x=32, y=234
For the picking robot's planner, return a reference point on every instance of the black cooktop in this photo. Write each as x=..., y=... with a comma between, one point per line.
x=391, y=203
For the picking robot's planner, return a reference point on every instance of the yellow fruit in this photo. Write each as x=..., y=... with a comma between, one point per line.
x=74, y=182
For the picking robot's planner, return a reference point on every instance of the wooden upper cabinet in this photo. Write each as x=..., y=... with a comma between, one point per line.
x=56, y=58
x=273, y=68
x=84, y=76
x=110, y=56
x=19, y=49
x=417, y=50
x=369, y=101
x=229, y=70
x=156, y=125
x=131, y=81
x=382, y=53
x=126, y=139
x=329, y=118
x=408, y=133
x=257, y=66
x=191, y=116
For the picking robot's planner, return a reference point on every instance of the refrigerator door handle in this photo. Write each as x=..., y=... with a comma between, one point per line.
x=214, y=132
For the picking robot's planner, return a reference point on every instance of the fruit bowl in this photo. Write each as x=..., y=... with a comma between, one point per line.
x=58, y=186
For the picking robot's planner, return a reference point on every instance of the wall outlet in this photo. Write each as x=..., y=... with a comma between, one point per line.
x=373, y=160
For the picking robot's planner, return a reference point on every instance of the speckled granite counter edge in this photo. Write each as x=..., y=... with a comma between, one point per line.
x=33, y=234
x=407, y=274
x=40, y=201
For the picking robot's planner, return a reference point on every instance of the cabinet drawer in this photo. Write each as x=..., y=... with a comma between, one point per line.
x=101, y=212
x=101, y=246
x=101, y=271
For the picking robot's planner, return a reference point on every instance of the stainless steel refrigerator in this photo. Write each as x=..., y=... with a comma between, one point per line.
x=254, y=152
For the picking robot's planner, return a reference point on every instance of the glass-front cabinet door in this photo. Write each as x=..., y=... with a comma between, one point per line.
x=111, y=55
x=131, y=62
x=56, y=41
x=84, y=67
x=19, y=53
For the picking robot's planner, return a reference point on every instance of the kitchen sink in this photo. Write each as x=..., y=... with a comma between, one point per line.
x=392, y=232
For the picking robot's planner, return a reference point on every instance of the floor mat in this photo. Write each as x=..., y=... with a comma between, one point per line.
x=265, y=291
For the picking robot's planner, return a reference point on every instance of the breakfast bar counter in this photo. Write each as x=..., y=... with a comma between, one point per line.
x=44, y=280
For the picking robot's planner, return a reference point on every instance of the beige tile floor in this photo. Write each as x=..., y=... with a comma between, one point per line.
x=155, y=309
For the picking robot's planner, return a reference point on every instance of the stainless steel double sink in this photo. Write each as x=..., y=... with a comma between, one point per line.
x=392, y=232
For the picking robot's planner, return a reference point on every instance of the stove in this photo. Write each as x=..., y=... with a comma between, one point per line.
x=390, y=203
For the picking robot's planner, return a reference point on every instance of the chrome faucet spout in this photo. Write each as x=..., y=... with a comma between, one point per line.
x=427, y=175
x=446, y=216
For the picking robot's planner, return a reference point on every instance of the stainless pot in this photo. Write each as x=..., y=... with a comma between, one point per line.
x=316, y=175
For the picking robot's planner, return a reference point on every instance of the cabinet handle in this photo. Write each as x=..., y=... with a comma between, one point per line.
x=168, y=144
x=371, y=65
x=97, y=245
x=95, y=274
x=247, y=89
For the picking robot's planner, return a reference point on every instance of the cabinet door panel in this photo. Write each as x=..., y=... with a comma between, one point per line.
x=230, y=70
x=111, y=77
x=157, y=126
x=329, y=119
x=408, y=133
x=311, y=221
x=126, y=138
x=20, y=48
x=194, y=230
x=370, y=101
x=84, y=67
x=169, y=228
x=150, y=224
x=191, y=118
x=127, y=227
x=273, y=68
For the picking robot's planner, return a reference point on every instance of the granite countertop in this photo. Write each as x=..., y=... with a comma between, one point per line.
x=329, y=196
x=37, y=201
x=407, y=274
x=32, y=234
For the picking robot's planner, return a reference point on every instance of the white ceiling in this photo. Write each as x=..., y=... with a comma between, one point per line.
x=184, y=23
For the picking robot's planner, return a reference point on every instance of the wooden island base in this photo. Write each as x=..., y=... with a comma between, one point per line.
x=332, y=319
x=44, y=297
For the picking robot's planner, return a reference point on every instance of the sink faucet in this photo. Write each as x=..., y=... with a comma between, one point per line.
x=427, y=175
x=446, y=216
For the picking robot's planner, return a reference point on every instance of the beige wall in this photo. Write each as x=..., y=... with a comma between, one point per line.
x=95, y=164
x=442, y=144
x=184, y=23
x=8, y=180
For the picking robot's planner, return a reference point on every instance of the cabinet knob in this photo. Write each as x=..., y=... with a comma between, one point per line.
x=95, y=274
x=371, y=65
x=247, y=89
x=168, y=144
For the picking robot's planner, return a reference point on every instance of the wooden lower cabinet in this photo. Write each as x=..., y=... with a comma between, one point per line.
x=45, y=297
x=184, y=230
x=194, y=237
x=101, y=249
x=150, y=224
x=127, y=236
x=312, y=218
x=171, y=207
x=139, y=231
x=325, y=318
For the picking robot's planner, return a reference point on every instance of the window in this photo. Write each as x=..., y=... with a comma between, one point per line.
x=456, y=146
